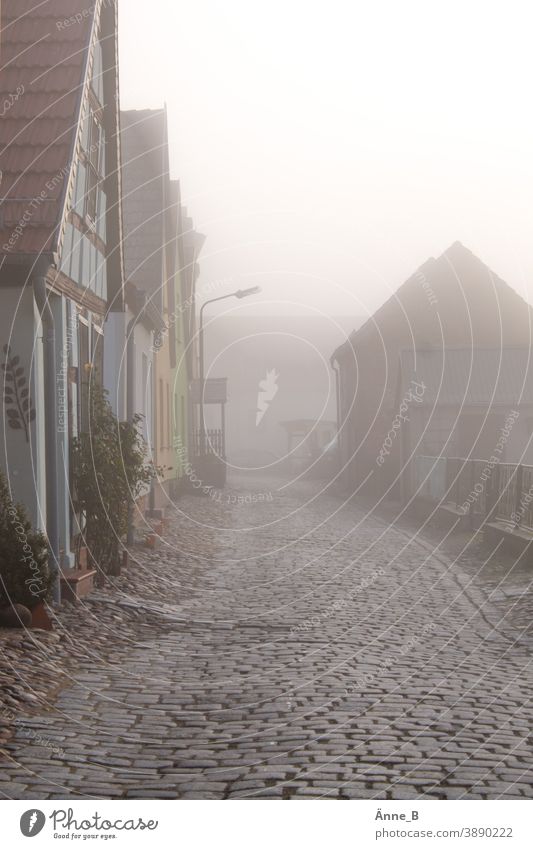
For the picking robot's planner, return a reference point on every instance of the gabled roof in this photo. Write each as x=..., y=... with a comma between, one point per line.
x=145, y=181
x=469, y=376
x=143, y=308
x=43, y=66
x=456, y=291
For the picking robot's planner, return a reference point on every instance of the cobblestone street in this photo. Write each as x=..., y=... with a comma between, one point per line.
x=292, y=646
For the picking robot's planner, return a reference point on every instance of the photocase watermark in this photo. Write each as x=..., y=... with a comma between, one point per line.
x=268, y=389
x=66, y=824
x=214, y=493
x=430, y=294
x=30, y=733
x=414, y=395
x=525, y=501
x=79, y=17
x=32, y=822
x=362, y=681
x=36, y=203
x=495, y=458
x=11, y=99
x=183, y=307
x=35, y=584
x=24, y=220
x=338, y=605
x=247, y=498
x=61, y=379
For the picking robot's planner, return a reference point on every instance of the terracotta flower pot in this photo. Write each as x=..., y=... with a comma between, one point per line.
x=40, y=618
x=151, y=540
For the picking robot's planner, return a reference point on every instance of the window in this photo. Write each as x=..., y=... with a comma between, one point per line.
x=144, y=405
x=98, y=355
x=183, y=430
x=147, y=399
x=93, y=169
x=84, y=372
x=97, y=81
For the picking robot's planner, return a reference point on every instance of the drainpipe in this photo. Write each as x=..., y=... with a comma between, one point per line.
x=50, y=411
x=155, y=424
x=130, y=394
x=130, y=365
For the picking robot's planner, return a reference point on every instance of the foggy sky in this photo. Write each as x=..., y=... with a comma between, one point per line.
x=327, y=149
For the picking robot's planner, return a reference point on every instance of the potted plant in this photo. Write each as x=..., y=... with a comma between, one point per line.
x=25, y=575
x=110, y=472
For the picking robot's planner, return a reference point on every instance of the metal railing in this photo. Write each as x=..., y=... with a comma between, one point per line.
x=481, y=489
x=210, y=442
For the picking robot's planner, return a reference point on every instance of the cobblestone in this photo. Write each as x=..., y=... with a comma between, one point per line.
x=249, y=658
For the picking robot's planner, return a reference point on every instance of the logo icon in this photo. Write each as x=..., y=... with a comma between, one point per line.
x=32, y=822
x=267, y=391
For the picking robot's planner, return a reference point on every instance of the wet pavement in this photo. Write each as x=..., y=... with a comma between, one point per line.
x=293, y=645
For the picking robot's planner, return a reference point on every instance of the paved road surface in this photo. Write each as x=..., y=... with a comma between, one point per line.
x=313, y=650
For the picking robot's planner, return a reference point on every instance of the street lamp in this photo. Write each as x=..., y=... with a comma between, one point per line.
x=240, y=293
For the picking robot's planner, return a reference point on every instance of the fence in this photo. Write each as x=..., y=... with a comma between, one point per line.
x=477, y=488
x=213, y=443
x=209, y=460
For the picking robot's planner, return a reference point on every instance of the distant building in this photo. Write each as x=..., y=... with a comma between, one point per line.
x=182, y=328
x=307, y=442
x=468, y=403
x=417, y=376
x=278, y=370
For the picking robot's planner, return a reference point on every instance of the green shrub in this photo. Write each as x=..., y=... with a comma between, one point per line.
x=109, y=473
x=25, y=576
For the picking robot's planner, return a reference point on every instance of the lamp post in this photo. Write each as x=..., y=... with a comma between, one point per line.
x=240, y=293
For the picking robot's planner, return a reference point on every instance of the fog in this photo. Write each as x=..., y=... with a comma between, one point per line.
x=327, y=150
x=295, y=351
x=266, y=486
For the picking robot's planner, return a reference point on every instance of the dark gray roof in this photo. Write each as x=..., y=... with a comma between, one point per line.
x=143, y=306
x=456, y=280
x=473, y=377
x=144, y=201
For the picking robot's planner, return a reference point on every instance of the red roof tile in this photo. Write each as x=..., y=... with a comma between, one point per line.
x=44, y=61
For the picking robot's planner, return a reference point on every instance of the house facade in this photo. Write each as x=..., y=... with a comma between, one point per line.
x=190, y=244
x=161, y=249
x=145, y=177
x=452, y=302
x=61, y=269
x=468, y=404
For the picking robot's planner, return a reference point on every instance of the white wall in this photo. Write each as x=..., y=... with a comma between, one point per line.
x=115, y=367
x=21, y=460
x=518, y=449
x=143, y=403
